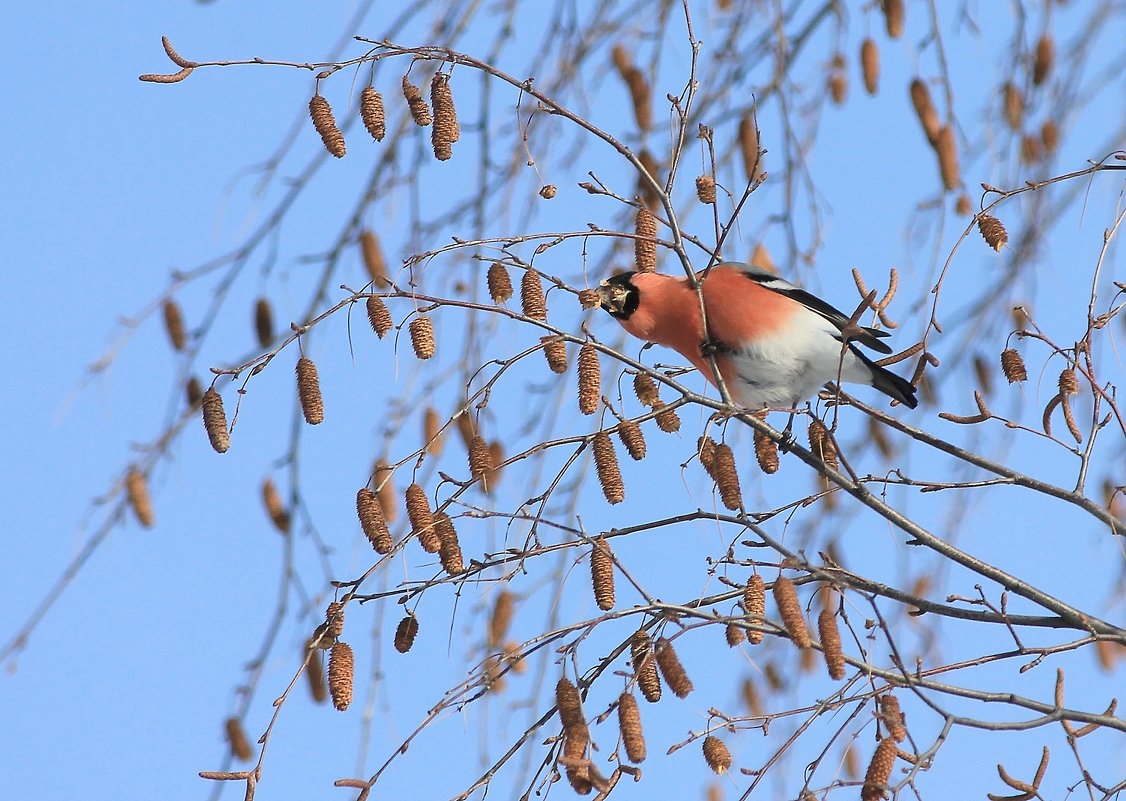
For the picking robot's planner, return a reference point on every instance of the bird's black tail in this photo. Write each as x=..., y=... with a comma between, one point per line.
x=889, y=383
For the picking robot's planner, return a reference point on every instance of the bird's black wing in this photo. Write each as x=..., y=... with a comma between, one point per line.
x=869, y=337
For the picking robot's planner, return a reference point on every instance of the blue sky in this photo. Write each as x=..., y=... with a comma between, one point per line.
x=113, y=184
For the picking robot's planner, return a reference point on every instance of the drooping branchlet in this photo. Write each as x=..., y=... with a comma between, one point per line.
x=309, y=391
x=325, y=123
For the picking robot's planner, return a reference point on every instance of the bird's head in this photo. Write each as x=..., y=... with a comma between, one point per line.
x=619, y=295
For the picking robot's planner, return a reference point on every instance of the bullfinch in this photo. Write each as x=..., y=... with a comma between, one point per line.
x=774, y=343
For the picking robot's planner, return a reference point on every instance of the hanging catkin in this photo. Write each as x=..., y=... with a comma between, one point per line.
x=215, y=420
x=325, y=123
x=309, y=391
x=420, y=112
x=371, y=112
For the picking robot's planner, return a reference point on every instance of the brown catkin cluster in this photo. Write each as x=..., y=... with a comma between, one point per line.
x=838, y=80
x=137, y=493
x=237, y=739
x=500, y=283
x=215, y=420
x=726, y=476
x=374, y=262
x=263, y=322
x=789, y=609
x=606, y=464
x=576, y=736
x=385, y=490
x=734, y=634
x=422, y=336
x=480, y=460
x=629, y=724
x=405, y=633
x=645, y=389
x=341, y=668
x=645, y=666
x=569, y=704
x=879, y=771
x=446, y=130
x=174, y=325
x=449, y=551
x=325, y=123
x=830, y=637
x=309, y=391
x=1050, y=136
x=555, y=351
x=754, y=604
x=639, y=90
x=705, y=189
x=716, y=754
x=276, y=510
x=501, y=618
x=993, y=231
x=602, y=574
x=893, y=17
x=672, y=669
x=766, y=452
x=496, y=459
x=821, y=444
x=925, y=110
x=420, y=112
x=379, y=316
x=1012, y=365
x=334, y=617
x=590, y=379
x=588, y=299
x=548, y=191
x=371, y=112
x=422, y=520
x=630, y=433
x=962, y=206
x=645, y=245
x=667, y=418
x=749, y=145
x=892, y=717
x=1045, y=59
x=532, y=300
x=870, y=65
x=372, y=521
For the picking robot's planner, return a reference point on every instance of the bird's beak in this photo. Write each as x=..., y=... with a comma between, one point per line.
x=611, y=297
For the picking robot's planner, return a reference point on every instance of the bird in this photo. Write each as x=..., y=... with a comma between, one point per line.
x=775, y=344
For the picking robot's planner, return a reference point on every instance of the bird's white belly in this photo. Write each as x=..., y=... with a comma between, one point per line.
x=790, y=367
